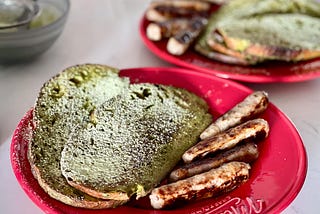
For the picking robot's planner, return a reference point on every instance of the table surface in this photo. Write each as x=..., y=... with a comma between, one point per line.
x=107, y=32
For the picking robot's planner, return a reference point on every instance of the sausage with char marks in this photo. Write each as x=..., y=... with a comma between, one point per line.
x=159, y=30
x=247, y=152
x=159, y=11
x=178, y=44
x=204, y=185
x=250, y=107
x=257, y=128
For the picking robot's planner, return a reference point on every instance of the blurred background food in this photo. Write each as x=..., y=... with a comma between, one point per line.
x=244, y=32
x=254, y=31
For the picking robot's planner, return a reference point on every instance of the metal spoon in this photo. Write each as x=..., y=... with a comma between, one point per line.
x=17, y=13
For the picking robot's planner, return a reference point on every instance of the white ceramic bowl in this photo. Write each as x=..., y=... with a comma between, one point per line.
x=23, y=45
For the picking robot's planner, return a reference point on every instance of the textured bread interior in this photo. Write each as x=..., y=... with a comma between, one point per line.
x=67, y=101
x=134, y=141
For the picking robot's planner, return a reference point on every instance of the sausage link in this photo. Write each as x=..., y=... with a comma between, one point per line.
x=207, y=184
x=159, y=11
x=178, y=44
x=247, y=153
x=257, y=128
x=159, y=30
x=249, y=108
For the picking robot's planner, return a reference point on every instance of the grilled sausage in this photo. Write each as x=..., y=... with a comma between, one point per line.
x=207, y=184
x=250, y=107
x=247, y=153
x=178, y=44
x=252, y=129
x=159, y=30
x=159, y=11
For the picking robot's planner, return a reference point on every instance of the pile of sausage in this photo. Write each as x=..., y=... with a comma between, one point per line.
x=181, y=22
x=221, y=161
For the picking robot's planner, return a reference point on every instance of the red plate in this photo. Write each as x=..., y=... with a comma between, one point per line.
x=275, y=179
x=263, y=73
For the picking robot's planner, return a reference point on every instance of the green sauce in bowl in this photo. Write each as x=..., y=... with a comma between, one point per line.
x=19, y=44
x=47, y=15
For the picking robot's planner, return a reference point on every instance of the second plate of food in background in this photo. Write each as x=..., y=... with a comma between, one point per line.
x=271, y=71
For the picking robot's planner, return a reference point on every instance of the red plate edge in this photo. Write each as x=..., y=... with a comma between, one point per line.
x=176, y=60
x=294, y=190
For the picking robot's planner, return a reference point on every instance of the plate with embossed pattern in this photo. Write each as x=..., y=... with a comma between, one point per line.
x=270, y=188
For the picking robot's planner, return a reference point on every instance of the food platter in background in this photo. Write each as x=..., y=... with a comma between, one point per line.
x=267, y=72
x=270, y=188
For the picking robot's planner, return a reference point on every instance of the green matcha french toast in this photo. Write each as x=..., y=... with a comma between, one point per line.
x=66, y=101
x=133, y=141
x=98, y=140
x=274, y=36
x=252, y=31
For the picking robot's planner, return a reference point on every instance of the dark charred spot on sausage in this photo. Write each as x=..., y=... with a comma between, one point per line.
x=184, y=38
x=260, y=135
x=205, y=143
x=198, y=23
x=161, y=192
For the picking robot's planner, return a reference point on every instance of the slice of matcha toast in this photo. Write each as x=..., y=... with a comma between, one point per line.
x=263, y=19
x=66, y=101
x=133, y=141
x=274, y=36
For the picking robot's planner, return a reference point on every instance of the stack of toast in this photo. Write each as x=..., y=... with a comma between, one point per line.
x=98, y=140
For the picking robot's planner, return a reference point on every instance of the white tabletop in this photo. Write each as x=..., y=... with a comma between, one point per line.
x=107, y=32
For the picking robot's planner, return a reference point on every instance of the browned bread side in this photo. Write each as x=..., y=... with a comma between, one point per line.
x=64, y=102
x=217, y=43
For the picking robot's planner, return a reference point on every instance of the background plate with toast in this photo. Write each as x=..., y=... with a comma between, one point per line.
x=266, y=72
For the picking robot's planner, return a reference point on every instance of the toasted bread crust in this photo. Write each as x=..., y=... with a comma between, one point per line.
x=268, y=51
x=83, y=201
x=221, y=47
x=215, y=55
x=281, y=53
x=119, y=196
x=48, y=137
